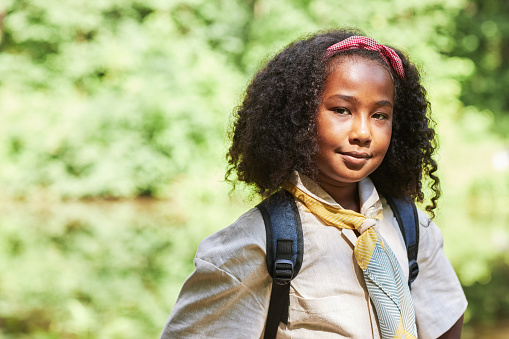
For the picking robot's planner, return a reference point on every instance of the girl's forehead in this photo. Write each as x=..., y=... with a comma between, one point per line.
x=360, y=78
x=339, y=59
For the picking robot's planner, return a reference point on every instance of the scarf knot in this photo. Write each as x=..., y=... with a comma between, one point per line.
x=367, y=223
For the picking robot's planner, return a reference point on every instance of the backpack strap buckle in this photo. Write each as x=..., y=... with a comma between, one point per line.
x=283, y=271
x=413, y=271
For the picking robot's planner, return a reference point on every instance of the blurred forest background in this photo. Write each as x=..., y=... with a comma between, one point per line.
x=113, y=120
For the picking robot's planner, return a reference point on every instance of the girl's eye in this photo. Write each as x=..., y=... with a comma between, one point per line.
x=341, y=110
x=380, y=116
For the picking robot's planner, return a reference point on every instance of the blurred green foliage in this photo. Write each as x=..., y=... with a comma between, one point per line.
x=481, y=33
x=100, y=270
x=106, y=99
x=112, y=139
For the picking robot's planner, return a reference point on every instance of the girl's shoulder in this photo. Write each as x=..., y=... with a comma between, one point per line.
x=430, y=235
x=424, y=220
x=240, y=244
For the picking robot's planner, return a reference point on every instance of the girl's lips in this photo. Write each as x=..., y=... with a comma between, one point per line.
x=357, y=154
x=355, y=158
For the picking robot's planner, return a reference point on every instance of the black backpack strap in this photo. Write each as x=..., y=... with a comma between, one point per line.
x=408, y=220
x=285, y=249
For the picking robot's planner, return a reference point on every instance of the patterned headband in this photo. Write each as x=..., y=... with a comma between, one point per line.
x=362, y=42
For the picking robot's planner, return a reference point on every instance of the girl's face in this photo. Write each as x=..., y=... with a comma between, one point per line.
x=354, y=121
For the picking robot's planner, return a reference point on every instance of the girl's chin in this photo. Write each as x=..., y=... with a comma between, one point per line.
x=339, y=180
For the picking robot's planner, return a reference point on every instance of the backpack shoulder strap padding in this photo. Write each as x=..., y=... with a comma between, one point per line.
x=282, y=222
x=285, y=250
x=408, y=220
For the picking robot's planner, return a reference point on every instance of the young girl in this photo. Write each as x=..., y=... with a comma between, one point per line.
x=339, y=121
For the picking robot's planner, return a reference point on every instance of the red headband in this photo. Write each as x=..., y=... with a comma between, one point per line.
x=362, y=42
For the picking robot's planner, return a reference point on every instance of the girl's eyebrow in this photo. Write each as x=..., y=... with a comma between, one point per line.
x=383, y=103
x=352, y=99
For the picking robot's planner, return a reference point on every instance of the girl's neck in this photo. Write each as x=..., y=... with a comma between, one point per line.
x=347, y=195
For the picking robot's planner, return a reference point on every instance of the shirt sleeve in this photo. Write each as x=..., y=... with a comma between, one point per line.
x=229, y=291
x=438, y=298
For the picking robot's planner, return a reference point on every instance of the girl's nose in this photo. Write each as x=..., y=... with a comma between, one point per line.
x=360, y=133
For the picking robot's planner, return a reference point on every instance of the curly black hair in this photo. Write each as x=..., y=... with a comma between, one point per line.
x=274, y=129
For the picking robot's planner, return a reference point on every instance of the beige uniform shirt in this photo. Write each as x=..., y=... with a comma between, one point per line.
x=227, y=296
